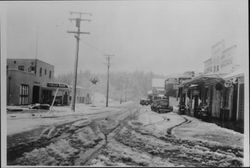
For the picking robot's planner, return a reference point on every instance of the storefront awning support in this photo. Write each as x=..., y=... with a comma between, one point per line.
x=52, y=104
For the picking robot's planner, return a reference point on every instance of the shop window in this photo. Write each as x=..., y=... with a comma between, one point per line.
x=41, y=71
x=24, y=94
x=21, y=67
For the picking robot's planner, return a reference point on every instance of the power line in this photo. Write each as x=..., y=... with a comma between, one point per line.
x=77, y=36
x=97, y=49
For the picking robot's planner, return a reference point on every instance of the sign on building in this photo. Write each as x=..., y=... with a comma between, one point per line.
x=57, y=85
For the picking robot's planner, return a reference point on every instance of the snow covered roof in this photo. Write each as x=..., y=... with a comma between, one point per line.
x=206, y=79
x=158, y=82
x=238, y=72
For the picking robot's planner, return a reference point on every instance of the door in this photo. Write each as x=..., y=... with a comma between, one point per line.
x=235, y=97
x=35, y=96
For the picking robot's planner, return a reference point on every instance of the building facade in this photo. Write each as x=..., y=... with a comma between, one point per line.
x=27, y=81
x=222, y=59
x=220, y=88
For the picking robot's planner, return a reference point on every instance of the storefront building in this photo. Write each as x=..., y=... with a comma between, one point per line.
x=27, y=81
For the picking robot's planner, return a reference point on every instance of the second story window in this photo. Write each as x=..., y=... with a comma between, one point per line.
x=45, y=71
x=41, y=71
x=49, y=74
x=21, y=67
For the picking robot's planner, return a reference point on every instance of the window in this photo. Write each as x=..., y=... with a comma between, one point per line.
x=32, y=68
x=41, y=71
x=24, y=94
x=14, y=62
x=49, y=74
x=45, y=71
x=21, y=67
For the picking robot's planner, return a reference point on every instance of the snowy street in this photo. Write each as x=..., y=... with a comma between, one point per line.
x=128, y=135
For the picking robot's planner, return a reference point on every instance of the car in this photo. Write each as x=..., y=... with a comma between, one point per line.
x=145, y=102
x=203, y=113
x=161, y=106
x=40, y=106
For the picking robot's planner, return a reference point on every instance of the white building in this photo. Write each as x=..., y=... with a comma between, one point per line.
x=222, y=60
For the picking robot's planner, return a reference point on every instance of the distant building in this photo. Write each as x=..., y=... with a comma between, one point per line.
x=189, y=74
x=208, y=66
x=227, y=61
x=27, y=81
x=222, y=59
x=158, y=86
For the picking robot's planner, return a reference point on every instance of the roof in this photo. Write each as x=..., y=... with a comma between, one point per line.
x=158, y=82
x=29, y=59
x=238, y=72
x=206, y=79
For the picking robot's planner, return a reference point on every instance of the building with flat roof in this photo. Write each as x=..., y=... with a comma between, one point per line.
x=27, y=81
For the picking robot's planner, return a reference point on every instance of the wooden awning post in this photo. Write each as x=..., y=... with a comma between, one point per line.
x=54, y=99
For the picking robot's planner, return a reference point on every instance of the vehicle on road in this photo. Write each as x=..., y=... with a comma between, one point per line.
x=161, y=104
x=145, y=102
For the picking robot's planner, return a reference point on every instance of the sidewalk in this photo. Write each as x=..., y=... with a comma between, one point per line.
x=158, y=124
x=210, y=132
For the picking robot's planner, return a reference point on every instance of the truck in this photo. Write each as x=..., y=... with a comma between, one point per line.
x=160, y=104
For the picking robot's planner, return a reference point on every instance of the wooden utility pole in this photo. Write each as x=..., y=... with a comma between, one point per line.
x=77, y=36
x=108, y=66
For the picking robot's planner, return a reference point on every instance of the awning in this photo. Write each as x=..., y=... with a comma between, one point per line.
x=237, y=73
x=205, y=79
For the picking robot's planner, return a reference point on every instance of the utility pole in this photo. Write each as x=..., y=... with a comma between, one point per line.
x=108, y=66
x=77, y=36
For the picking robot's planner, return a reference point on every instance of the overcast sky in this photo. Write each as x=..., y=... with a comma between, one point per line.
x=165, y=37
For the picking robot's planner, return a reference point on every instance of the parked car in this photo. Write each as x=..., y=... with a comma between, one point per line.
x=145, y=102
x=161, y=106
x=203, y=113
x=40, y=106
x=182, y=109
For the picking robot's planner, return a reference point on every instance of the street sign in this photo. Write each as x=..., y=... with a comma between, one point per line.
x=57, y=85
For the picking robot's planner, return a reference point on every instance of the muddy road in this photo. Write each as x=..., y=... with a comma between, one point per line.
x=82, y=132
x=122, y=139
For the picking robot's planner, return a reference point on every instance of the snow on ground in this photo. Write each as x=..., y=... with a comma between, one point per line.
x=158, y=123
x=31, y=119
x=209, y=132
x=117, y=154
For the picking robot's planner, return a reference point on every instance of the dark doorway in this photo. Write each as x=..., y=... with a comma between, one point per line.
x=234, y=109
x=65, y=99
x=196, y=103
x=35, y=96
x=46, y=96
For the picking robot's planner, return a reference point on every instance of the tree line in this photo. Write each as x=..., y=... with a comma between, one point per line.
x=124, y=86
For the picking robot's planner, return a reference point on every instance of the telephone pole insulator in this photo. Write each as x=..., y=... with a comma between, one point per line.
x=77, y=36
